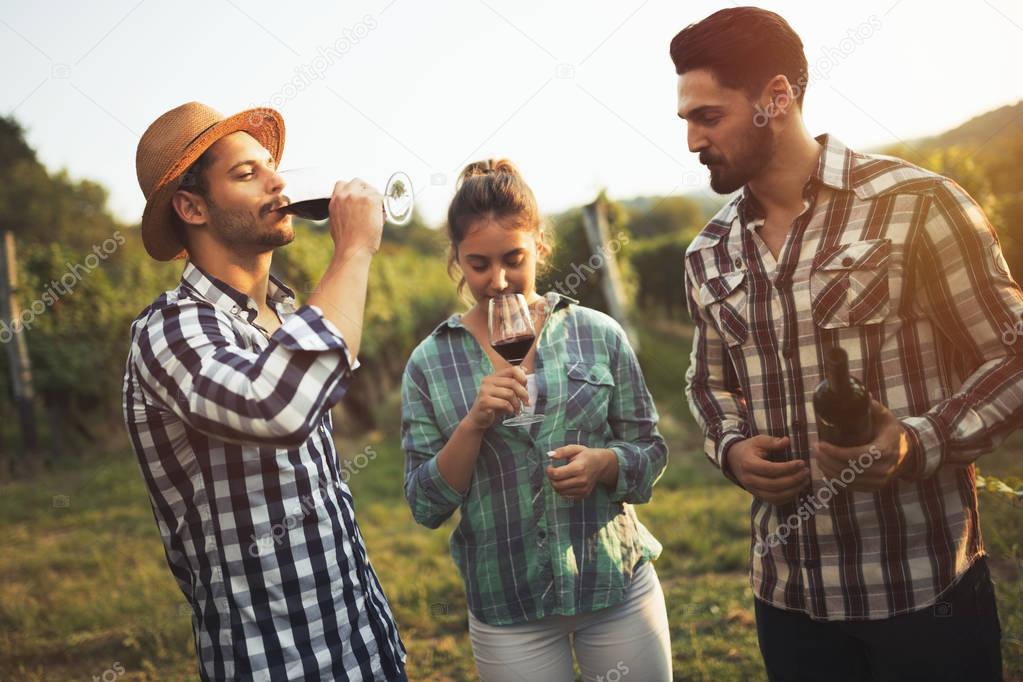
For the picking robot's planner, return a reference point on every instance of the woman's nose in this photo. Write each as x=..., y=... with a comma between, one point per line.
x=500, y=282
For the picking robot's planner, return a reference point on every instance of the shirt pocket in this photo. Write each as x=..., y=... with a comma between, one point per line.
x=849, y=284
x=590, y=386
x=725, y=299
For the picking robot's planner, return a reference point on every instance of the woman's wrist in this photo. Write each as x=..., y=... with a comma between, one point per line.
x=470, y=428
x=608, y=468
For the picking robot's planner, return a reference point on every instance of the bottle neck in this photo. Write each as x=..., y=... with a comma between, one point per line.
x=836, y=371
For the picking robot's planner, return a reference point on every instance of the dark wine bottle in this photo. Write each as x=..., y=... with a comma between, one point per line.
x=842, y=404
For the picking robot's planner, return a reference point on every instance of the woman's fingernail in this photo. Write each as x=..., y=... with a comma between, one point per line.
x=551, y=453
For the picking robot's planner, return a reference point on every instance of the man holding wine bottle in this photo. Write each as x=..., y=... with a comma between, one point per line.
x=888, y=281
x=227, y=396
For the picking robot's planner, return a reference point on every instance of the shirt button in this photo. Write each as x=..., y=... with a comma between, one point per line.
x=236, y=310
x=541, y=534
x=847, y=261
x=738, y=263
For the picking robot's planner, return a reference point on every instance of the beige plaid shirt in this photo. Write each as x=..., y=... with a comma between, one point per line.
x=899, y=267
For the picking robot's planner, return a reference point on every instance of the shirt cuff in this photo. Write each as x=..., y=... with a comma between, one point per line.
x=926, y=447
x=727, y=440
x=437, y=488
x=309, y=330
x=625, y=474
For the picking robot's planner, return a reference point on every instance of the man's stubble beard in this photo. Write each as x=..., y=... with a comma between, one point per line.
x=753, y=155
x=238, y=227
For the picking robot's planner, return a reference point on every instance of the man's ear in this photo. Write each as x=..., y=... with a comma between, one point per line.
x=778, y=96
x=190, y=207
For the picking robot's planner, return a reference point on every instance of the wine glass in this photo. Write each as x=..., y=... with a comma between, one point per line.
x=308, y=191
x=512, y=333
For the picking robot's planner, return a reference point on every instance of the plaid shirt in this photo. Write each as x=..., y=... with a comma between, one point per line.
x=523, y=551
x=899, y=267
x=232, y=431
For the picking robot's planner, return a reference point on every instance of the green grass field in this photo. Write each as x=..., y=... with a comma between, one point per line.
x=85, y=589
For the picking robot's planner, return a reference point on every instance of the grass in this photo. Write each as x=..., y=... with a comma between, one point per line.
x=85, y=588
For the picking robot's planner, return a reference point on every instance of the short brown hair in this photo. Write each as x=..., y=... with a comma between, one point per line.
x=744, y=47
x=492, y=188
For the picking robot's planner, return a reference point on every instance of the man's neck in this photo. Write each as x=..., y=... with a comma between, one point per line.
x=780, y=186
x=248, y=274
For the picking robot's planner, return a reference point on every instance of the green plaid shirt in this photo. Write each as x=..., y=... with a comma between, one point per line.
x=523, y=551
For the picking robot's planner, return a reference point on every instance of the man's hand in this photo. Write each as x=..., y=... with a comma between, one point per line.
x=773, y=482
x=586, y=467
x=356, y=217
x=888, y=452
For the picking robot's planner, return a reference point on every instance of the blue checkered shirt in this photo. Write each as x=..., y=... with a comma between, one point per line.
x=232, y=430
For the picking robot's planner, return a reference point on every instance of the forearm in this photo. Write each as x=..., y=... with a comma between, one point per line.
x=341, y=294
x=457, y=459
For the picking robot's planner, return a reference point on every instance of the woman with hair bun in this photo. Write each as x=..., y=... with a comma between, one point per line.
x=550, y=549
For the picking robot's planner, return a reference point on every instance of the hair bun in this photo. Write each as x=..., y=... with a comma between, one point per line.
x=487, y=167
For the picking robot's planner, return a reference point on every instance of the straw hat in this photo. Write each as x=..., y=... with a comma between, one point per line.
x=173, y=143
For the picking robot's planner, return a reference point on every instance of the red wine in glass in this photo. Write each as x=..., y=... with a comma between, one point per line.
x=310, y=209
x=308, y=191
x=512, y=333
x=514, y=349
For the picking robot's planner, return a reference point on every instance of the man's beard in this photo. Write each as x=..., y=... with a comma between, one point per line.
x=238, y=227
x=753, y=154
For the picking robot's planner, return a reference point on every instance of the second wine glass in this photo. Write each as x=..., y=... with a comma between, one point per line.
x=309, y=189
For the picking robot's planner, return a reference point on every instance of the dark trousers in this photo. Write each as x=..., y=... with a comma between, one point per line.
x=958, y=638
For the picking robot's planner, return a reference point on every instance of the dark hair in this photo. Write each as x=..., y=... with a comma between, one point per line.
x=493, y=188
x=744, y=47
x=193, y=180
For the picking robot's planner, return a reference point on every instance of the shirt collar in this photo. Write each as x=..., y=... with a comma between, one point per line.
x=834, y=170
x=555, y=300
x=230, y=300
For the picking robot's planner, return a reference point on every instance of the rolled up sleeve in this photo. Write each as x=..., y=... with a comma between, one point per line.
x=430, y=497
x=641, y=451
x=187, y=359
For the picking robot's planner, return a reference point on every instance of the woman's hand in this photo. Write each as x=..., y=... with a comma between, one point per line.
x=503, y=392
x=585, y=468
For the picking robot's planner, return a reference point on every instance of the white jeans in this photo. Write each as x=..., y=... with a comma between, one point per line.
x=629, y=641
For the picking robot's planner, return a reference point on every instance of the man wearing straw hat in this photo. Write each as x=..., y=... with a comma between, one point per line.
x=227, y=396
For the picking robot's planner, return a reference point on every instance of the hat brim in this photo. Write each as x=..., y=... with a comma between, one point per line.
x=158, y=218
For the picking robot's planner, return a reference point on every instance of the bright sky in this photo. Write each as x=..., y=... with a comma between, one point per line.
x=581, y=95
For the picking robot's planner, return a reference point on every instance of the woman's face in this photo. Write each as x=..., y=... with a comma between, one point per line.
x=497, y=258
